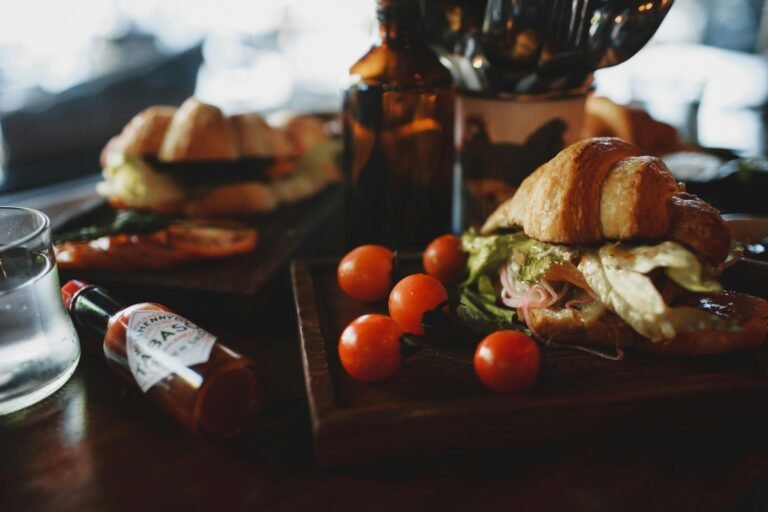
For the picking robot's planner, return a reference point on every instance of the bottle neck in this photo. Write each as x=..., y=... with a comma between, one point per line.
x=400, y=23
x=92, y=307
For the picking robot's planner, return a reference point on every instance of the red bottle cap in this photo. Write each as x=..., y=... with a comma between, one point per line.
x=69, y=290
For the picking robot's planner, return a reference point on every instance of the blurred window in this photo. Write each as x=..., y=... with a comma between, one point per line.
x=70, y=79
x=704, y=73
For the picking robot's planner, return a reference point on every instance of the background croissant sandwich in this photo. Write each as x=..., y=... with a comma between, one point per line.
x=195, y=160
x=600, y=246
x=604, y=118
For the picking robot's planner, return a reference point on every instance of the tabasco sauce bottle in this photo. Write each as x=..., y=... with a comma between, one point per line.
x=398, y=135
x=208, y=388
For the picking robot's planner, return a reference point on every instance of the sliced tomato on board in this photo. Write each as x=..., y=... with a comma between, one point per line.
x=146, y=251
x=211, y=241
x=91, y=255
x=179, y=243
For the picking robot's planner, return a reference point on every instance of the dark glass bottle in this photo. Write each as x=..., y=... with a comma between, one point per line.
x=204, y=385
x=398, y=136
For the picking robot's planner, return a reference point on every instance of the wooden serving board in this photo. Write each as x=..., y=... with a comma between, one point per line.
x=281, y=233
x=435, y=404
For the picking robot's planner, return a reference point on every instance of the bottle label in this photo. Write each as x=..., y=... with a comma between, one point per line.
x=160, y=343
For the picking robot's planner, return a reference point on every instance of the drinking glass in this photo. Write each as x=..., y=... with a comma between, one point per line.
x=39, y=349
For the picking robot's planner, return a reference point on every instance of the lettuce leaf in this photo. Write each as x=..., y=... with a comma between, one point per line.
x=618, y=276
x=487, y=253
x=137, y=184
x=530, y=258
x=616, y=273
x=127, y=222
x=480, y=308
x=315, y=169
x=480, y=312
x=681, y=265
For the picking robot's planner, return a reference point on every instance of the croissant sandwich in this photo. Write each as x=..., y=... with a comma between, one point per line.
x=600, y=246
x=195, y=160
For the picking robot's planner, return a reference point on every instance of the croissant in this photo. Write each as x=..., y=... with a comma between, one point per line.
x=199, y=131
x=603, y=117
x=143, y=135
x=604, y=189
x=257, y=138
x=749, y=313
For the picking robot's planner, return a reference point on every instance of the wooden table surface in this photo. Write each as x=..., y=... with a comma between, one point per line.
x=97, y=445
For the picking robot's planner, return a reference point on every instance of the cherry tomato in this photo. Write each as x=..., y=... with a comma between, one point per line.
x=444, y=258
x=365, y=273
x=369, y=348
x=507, y=361
x=412, y=297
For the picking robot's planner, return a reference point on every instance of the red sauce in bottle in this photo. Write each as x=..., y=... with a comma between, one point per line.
x=218, y=395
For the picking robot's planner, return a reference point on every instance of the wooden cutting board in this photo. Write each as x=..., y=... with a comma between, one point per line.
x=435, y=405
x=280, y=234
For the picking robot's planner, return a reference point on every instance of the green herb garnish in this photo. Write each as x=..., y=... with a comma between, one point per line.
x=125, y=222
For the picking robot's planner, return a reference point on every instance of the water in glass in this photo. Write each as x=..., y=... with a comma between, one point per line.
x=39, y=348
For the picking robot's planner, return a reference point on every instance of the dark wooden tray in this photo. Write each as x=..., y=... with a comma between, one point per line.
x=435, y=405
x=280, y=234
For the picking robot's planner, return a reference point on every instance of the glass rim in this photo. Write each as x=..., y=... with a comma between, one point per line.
x=44, y=225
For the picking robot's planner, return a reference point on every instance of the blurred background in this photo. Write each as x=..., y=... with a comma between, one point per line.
x=73, y=73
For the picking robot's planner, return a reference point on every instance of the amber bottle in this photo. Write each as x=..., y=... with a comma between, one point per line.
x=207, y=387
x=398, y=136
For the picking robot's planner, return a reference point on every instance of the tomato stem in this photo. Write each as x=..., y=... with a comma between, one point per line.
x=580, y=348
x=397, y=271
x=409, y=345
x=436, y=318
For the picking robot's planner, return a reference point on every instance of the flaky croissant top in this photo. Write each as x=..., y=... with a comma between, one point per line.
x=604, y=189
